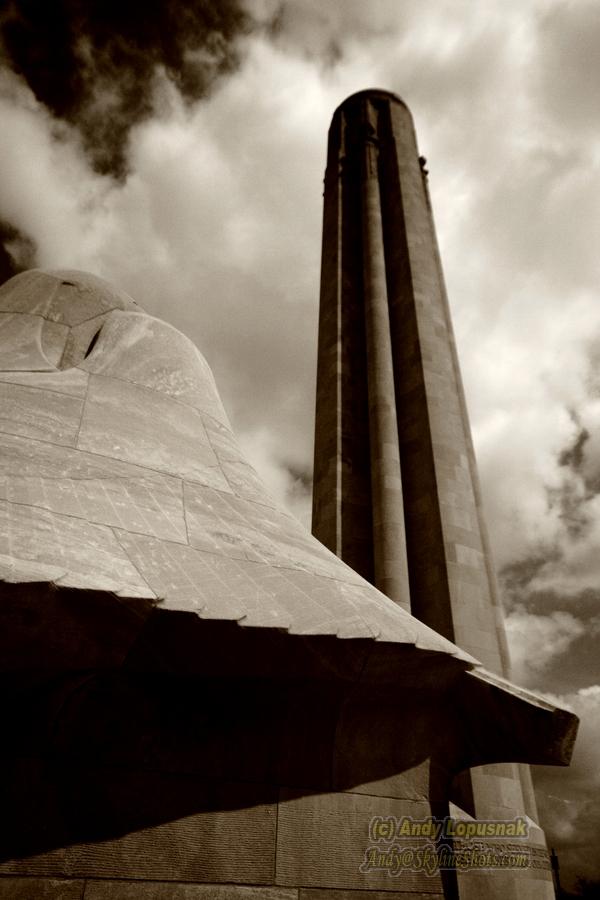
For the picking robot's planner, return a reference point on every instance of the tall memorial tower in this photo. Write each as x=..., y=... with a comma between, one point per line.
x=396, y=491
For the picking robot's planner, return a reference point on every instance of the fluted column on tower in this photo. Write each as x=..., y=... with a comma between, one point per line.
x=389, y=540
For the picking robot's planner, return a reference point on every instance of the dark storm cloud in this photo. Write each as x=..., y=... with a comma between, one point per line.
x=554, y=639
x=567, y=799
x=518, y=575
x=572, y=496
x=302, y=475
x=581, y=483
x=17, y=251
x=573, y=455
x=93, y=63
x=553, y=623
x=553, y=627
x=585, y=605
x=571, y=508
x=299, y=485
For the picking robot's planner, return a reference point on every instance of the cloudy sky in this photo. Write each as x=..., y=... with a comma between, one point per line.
x=181, y=156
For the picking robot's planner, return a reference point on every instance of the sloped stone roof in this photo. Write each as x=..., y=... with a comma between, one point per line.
x=120, y=473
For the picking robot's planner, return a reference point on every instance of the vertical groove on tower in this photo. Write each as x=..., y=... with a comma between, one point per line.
x=504, y=667
x=389, y=542
x=430, y=600
x=342, y=508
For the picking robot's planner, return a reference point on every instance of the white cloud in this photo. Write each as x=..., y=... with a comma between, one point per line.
x=577, y=568
x=536, y=640
x=47, y=189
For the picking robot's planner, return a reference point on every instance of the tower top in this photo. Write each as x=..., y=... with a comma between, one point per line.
x=369, y=94
x=372, y=107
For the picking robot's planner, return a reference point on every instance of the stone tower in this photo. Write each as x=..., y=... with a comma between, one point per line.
x=396, y=491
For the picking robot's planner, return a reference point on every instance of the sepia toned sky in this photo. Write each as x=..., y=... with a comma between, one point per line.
x=181, y=156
